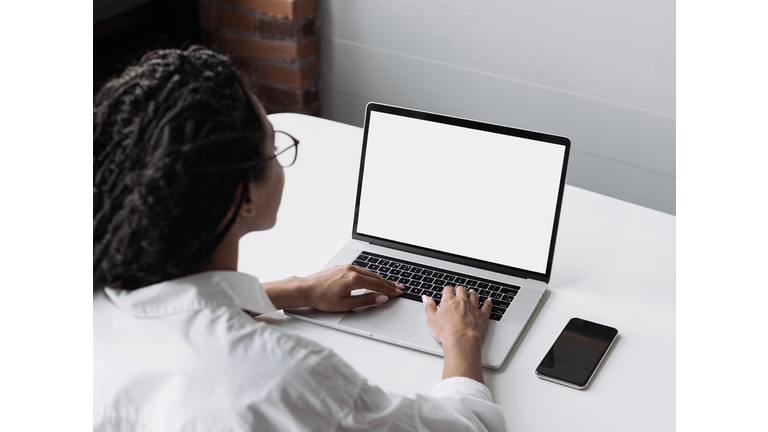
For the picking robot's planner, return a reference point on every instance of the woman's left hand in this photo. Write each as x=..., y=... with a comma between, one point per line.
x=331, y=290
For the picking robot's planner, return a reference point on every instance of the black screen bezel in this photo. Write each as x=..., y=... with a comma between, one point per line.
x=487, y=127
x=587, y=329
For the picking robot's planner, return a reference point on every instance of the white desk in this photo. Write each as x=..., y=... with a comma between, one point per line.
x=614, y=264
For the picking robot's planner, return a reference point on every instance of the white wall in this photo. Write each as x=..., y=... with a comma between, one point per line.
x=601, y=72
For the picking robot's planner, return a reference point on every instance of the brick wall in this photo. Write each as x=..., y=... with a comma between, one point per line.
x=273, y=44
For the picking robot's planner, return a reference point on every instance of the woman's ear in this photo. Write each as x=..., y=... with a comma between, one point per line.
x=248, y=209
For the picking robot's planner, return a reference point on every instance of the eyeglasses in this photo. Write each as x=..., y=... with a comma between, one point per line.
x=286, y=149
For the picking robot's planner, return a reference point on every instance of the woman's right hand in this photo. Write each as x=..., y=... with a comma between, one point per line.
x=460, y=326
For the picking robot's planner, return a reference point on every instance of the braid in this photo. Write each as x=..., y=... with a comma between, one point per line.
x=173, y=137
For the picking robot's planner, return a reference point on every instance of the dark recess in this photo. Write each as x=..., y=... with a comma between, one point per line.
x=120, y=40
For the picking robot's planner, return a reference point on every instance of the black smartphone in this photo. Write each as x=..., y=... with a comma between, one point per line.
x=577, y=352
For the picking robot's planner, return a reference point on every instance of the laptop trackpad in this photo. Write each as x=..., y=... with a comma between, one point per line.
x=401, y=320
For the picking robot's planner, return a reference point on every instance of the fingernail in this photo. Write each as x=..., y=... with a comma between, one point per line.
x=381, y=299
x=424, y=299
x=399, y=285
x=399, y=291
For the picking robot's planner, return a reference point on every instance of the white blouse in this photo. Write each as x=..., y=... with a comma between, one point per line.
x=182, y=355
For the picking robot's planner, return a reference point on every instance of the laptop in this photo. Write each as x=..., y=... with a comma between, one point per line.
x=450, y=201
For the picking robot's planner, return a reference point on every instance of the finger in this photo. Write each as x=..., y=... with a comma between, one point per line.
x=383, y=286
x=377, y=283
x=365, y=272
x=429, y=306
x=474, y=299
x=461, y=291
x=430, y=309
x=448, y=293
x=485, y=311
x=361, y=300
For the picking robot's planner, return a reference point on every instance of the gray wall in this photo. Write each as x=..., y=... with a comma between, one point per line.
x=599, y=72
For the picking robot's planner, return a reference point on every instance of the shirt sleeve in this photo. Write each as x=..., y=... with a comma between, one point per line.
x=455, y=404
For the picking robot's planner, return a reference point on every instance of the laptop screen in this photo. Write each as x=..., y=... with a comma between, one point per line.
x=485, y=195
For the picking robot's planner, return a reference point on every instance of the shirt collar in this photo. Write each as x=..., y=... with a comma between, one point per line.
x=194, y=292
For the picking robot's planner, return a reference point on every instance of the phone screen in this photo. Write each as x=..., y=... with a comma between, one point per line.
x=577, y=352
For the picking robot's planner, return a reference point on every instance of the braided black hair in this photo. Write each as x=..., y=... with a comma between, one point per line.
x=173, y=137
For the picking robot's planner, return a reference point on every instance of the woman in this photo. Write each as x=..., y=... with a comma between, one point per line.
x=185, y=164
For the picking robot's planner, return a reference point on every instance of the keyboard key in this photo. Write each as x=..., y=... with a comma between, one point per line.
x=509, y=291
x=395, y=272
x=403, y=281
x=362, y=257
x=373, y=260
x=395, y=265
x=405, y=273
x=439, y=284
x=362, y=264
x=415, y=291
x=384, y=262
x=498, y=310
x=405, y=268
x=393, y=278
x=429, y=279
x=373, y=266
x=450, y=278
x=482, y=285
x=427, y=272
x=426, y=286
x=383, y=269
x=496, y=317
x=484, y=293
x=417, y=277
x=414, y=283
x=471, y=283
x=495, y=296
x=438, y=275
x=437, y=295
x=494, y=288
x=501, y=303
x=410, y=296
x=415, y=270
x=461, y=280
x=507, y=297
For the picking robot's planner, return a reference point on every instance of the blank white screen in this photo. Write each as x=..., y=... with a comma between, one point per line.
x=463, y=191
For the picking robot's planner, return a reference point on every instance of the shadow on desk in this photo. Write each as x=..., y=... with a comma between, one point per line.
x=522, y=337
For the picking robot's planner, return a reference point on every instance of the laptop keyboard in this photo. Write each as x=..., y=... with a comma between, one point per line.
x=418, y=280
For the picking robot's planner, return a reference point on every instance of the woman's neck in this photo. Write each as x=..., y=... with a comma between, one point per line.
x=224, y=257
